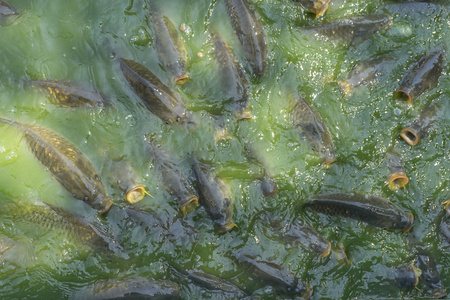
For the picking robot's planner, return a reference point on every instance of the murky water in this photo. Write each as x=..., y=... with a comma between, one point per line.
x=79, y=41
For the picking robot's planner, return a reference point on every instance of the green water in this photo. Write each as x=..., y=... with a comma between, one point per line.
x=77, y=41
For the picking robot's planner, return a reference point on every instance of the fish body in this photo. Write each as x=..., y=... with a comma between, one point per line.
x=232, y=77
x=212, y=282
x=372, y=210
x=271, y=273
x=169, y=46
x=397, y=177
x=174, y=180
x=317, y=7
x=422, y=76
x=67, y=94
x=312, y=128
x=407, y=276
x=420, y=127
x=139, y=288
x=121, y=174
x=430, y=275
x=308, y=238
x=52, y=218
x=157, y=97
x=215, y=196
x=353, y=30
x=364, y=72
x=250, y=33
x=67, y=164
x=6, y=9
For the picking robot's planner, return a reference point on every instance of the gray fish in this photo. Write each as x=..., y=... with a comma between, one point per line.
x=317, y=7
x=174, y=179
x=250, y=34
x=312, y=128
x=430, y=275
x=67, y=94
x=269, y=272
x=6, y=9
x=364, y=72
x=157, y=97
x=397, y=177
x=422, y=76
x=129, y=288
x=215, y=196
x=353, y=30
x=52, y=218
x=67, y=164
x=232, y=77
x=420, y=127
x=306, y=237
x=407, y=276
x=214, y=283
x=121, y=174
x=169, y=46
x=372, y=210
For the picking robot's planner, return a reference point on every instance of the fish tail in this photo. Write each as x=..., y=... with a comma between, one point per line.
x=7, y=120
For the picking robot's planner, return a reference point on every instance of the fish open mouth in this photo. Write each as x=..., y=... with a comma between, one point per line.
x=320, y=7
x=327, y=251
x=106, y=208
x=411, y=222
x=136, y=194
x=227, y=227
x=403, y=95
x=410, y=136
x=190, y=204
x=182, y=79
x=397, y=180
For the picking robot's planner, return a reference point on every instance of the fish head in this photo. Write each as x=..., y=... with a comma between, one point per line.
x=328, y=156
x=406, y=222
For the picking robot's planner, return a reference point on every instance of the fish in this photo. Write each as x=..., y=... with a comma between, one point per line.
x=372, y=210
x=68, y=94
x=68, y=165
x=169, y=46
x=19, y=252
x=407, y=276
x=364, y=72
x=430, y=274
x=129, y=288
x=420, y=127
x=121, y=174
x=214, y=196
x=6, y=9
x=51, y=218
x=272, y=273
x=353, y=30
x=312, y=128
x=232, y=77
x=298, y=234
x=444, y=227
x=397, y=177
x=317, y=7
x=215, y=283
x=174, y=179
x=250, y=34
x=422, y=76
x=156, y=96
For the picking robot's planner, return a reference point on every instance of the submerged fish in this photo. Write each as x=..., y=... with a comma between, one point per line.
x=19, y=252
x=214, y=283
x=68, y=94
x=232, y=78
x=422, y=76
x=271, y=273
x=373, y=210
x=169, y=46
x=353, y=30
x=267, y=183
x=422, y=124
x=6, y=9
x=298, y=234
x=317, y=7
x=430, y=275
x=215, y=196
x=364, y=72
x=174, y=179
x=129, y=288
x=397, y=177
x=68, y=165
x=52, y=218
x=157, y=97
x=121, y=173
x=407, y=276
x=313, y=130
x=250, y=34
